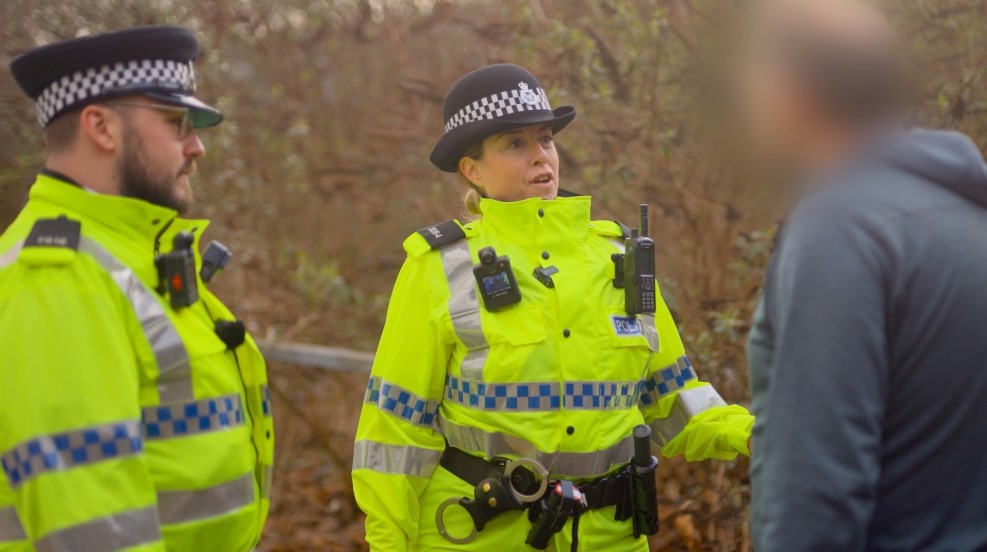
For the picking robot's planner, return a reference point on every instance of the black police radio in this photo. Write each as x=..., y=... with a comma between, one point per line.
x=176, y=272
x=495, y=280
x=635, y=269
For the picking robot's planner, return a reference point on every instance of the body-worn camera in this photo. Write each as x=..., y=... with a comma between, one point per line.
x=496, y=280
x=635, y=269
x=176, y=272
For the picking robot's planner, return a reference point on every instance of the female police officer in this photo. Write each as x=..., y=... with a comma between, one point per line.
x=524, y=352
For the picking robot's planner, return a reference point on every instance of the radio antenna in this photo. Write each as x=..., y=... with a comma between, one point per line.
x=644, y=220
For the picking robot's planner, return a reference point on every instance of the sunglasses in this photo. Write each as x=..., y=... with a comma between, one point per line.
x=181, y=116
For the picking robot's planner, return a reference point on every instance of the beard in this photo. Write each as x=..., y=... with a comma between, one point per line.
x=140, y=181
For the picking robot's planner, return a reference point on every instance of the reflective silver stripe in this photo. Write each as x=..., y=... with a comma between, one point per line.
x=400, y=402
x=464, y=308
x=61, y=451
x=650, y=331
x=688, y=403
x=116, y=532
x=395, y=459
x=575, y=465
x=10, y=525
x=666, y=381
x=192, y=418
x=174, y=372
x=699, y=399
x=10, y=255
x=266, y=480
x=185, y=506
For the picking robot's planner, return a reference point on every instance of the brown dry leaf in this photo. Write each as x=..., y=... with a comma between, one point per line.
x=687, y=531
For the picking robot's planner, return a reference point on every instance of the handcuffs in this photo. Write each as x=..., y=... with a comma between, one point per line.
x=512, y=490
x=523, y=484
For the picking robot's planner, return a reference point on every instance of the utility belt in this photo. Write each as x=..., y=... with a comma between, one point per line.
x=502, y=485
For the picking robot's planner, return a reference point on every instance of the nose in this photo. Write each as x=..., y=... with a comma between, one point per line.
x=193, y=146
x=541, y=155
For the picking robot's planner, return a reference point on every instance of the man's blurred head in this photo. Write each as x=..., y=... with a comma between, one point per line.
x=816, y=78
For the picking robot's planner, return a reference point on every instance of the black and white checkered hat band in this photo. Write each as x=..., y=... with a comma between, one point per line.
x=97, y=81
x=498, y=105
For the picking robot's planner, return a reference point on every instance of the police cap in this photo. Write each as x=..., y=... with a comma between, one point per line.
x=493, y=99
x=153, y=61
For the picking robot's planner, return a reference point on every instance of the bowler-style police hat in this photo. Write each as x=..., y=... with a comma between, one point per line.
x=491, y=100
x=155, y=62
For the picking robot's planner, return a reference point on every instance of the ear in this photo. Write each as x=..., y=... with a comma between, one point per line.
x=470, y=168
x=102, y=127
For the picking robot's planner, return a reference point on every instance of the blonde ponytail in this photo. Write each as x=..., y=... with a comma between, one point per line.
x=471, y=199
x=473, y=193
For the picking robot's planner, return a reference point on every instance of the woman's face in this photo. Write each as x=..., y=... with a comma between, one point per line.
x=516, y=165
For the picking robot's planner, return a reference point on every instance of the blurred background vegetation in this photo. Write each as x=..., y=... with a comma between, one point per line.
x=322, y=169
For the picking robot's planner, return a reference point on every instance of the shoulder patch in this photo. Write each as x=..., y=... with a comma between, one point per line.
x=443, y=233
x=610, y=228
x=60, y=232
x=434, y=237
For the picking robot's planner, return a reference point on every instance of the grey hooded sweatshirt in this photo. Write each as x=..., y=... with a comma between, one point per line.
x=868, y=359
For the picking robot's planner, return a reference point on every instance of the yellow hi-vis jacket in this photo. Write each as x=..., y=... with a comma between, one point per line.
x=562, y=377
x=124, y=424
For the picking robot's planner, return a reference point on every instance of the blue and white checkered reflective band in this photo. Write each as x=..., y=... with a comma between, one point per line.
x=498, y=105
x=602, y=395
x=99, y=81
x=503, y=396
x=192, y=418
x=541, y=396
x=667, y=380
x=61, y=451
x=265, y=399
x=402, y=403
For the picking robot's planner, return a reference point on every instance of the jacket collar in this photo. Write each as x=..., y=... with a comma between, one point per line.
x=134, y=219
x=535, y=221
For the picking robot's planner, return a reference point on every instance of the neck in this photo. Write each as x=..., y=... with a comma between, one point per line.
x=832, y=148
x=99, y=176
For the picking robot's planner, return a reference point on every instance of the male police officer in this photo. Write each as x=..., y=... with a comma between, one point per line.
x=134, y=411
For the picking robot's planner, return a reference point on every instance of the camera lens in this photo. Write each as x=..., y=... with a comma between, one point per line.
x=488, y=255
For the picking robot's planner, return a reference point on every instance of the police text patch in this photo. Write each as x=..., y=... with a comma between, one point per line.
x=56, y=232
x=442, y=233
x=626, y=326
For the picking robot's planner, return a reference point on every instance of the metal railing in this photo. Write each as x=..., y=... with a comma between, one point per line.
x=328, y=358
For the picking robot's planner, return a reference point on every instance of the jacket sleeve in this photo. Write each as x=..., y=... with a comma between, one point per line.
x=687, y=416
x=397, y=446
x=74, y=471
x=819, y=439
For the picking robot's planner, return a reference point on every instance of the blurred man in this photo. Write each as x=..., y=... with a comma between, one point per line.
x=868, y=354
x=134, y=412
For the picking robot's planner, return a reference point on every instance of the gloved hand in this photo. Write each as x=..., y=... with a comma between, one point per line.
x=722, y=432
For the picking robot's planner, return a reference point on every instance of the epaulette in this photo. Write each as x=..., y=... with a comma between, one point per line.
x=610, y=228
x=51, y=241
x=57, y=232
x=434, y=237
